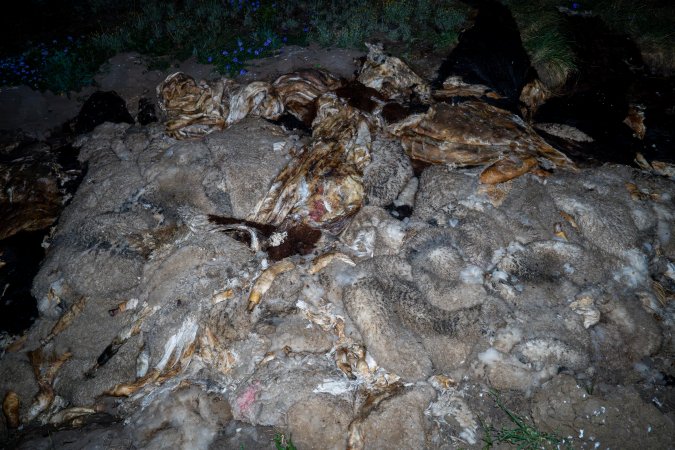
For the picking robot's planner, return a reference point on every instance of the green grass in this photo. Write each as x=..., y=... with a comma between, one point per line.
x=523, y=436
x=649, y=22
x=545, y=40
x=226, y=33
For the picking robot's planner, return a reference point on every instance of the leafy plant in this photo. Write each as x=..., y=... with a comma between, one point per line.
x=280, y=442
x=524, y=436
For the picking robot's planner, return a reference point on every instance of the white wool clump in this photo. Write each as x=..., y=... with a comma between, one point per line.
x=490, y=356
x=670, y=271
x=278, y=238
x=407, y=195
x=642, y=219
x=635, y=272
x=179, y=342
x=364, y=244
x=312, y=291
x=451, y=406
x=347, y=276
x=663, y=227
x=507, y=338
x=568, y=268
x=476, y=202
x=334, y=387
x=471, y=275
x=394, y=233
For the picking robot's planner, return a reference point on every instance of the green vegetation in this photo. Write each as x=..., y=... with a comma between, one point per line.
x=280, y=442
x=226, y=33
x=523, y=436
x=545, y=39
x=649, y=22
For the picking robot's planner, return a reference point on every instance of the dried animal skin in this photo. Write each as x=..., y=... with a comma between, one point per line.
x=122, y=337
x=570, y=219
x=454, y=86
x=66, y=319
x=71, y=416
x=391, y=76
x=256, y=99
x=212, y=352
x=321, y=262
x=636, y=120
x=474, y=133
x=658, y=167
x=44, y=375
x=585, y=306
x=265, y=280
x=507, y=168
x=128, y=389
x=323, y=185
x=299, y=90
x=192, y=109
x=10, y=408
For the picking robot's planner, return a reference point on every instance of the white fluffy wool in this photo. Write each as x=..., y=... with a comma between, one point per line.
x=471, y=275
x=635, y=272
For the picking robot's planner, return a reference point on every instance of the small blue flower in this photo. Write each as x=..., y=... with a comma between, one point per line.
x=248, y=50
x=70, y=38
x=305, y=29
x=209, y=59
x=242, y=72
x=284, y=39
x=227, y=67
x=224, y=52
x=575, y=5
x=235, y=59
x=235, y=51
x=256, y=52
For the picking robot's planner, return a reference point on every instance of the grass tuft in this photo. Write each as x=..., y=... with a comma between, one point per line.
x=545, y=40
x=524, y=436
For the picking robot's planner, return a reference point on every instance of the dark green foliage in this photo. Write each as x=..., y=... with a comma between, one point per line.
x=225, y=33
x=524, y=436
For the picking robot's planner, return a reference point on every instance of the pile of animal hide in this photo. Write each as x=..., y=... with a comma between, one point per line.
x=323, y=185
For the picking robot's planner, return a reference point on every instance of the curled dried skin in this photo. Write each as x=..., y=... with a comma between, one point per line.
x=128, y=389
x=10, y=408
x=122, y=337
x=70, y=415
x=66, y=319
x=507, y=168
x=321, y=262
x=570, y=219
x=45, y=371
x=265, y=280
x=558, y=231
